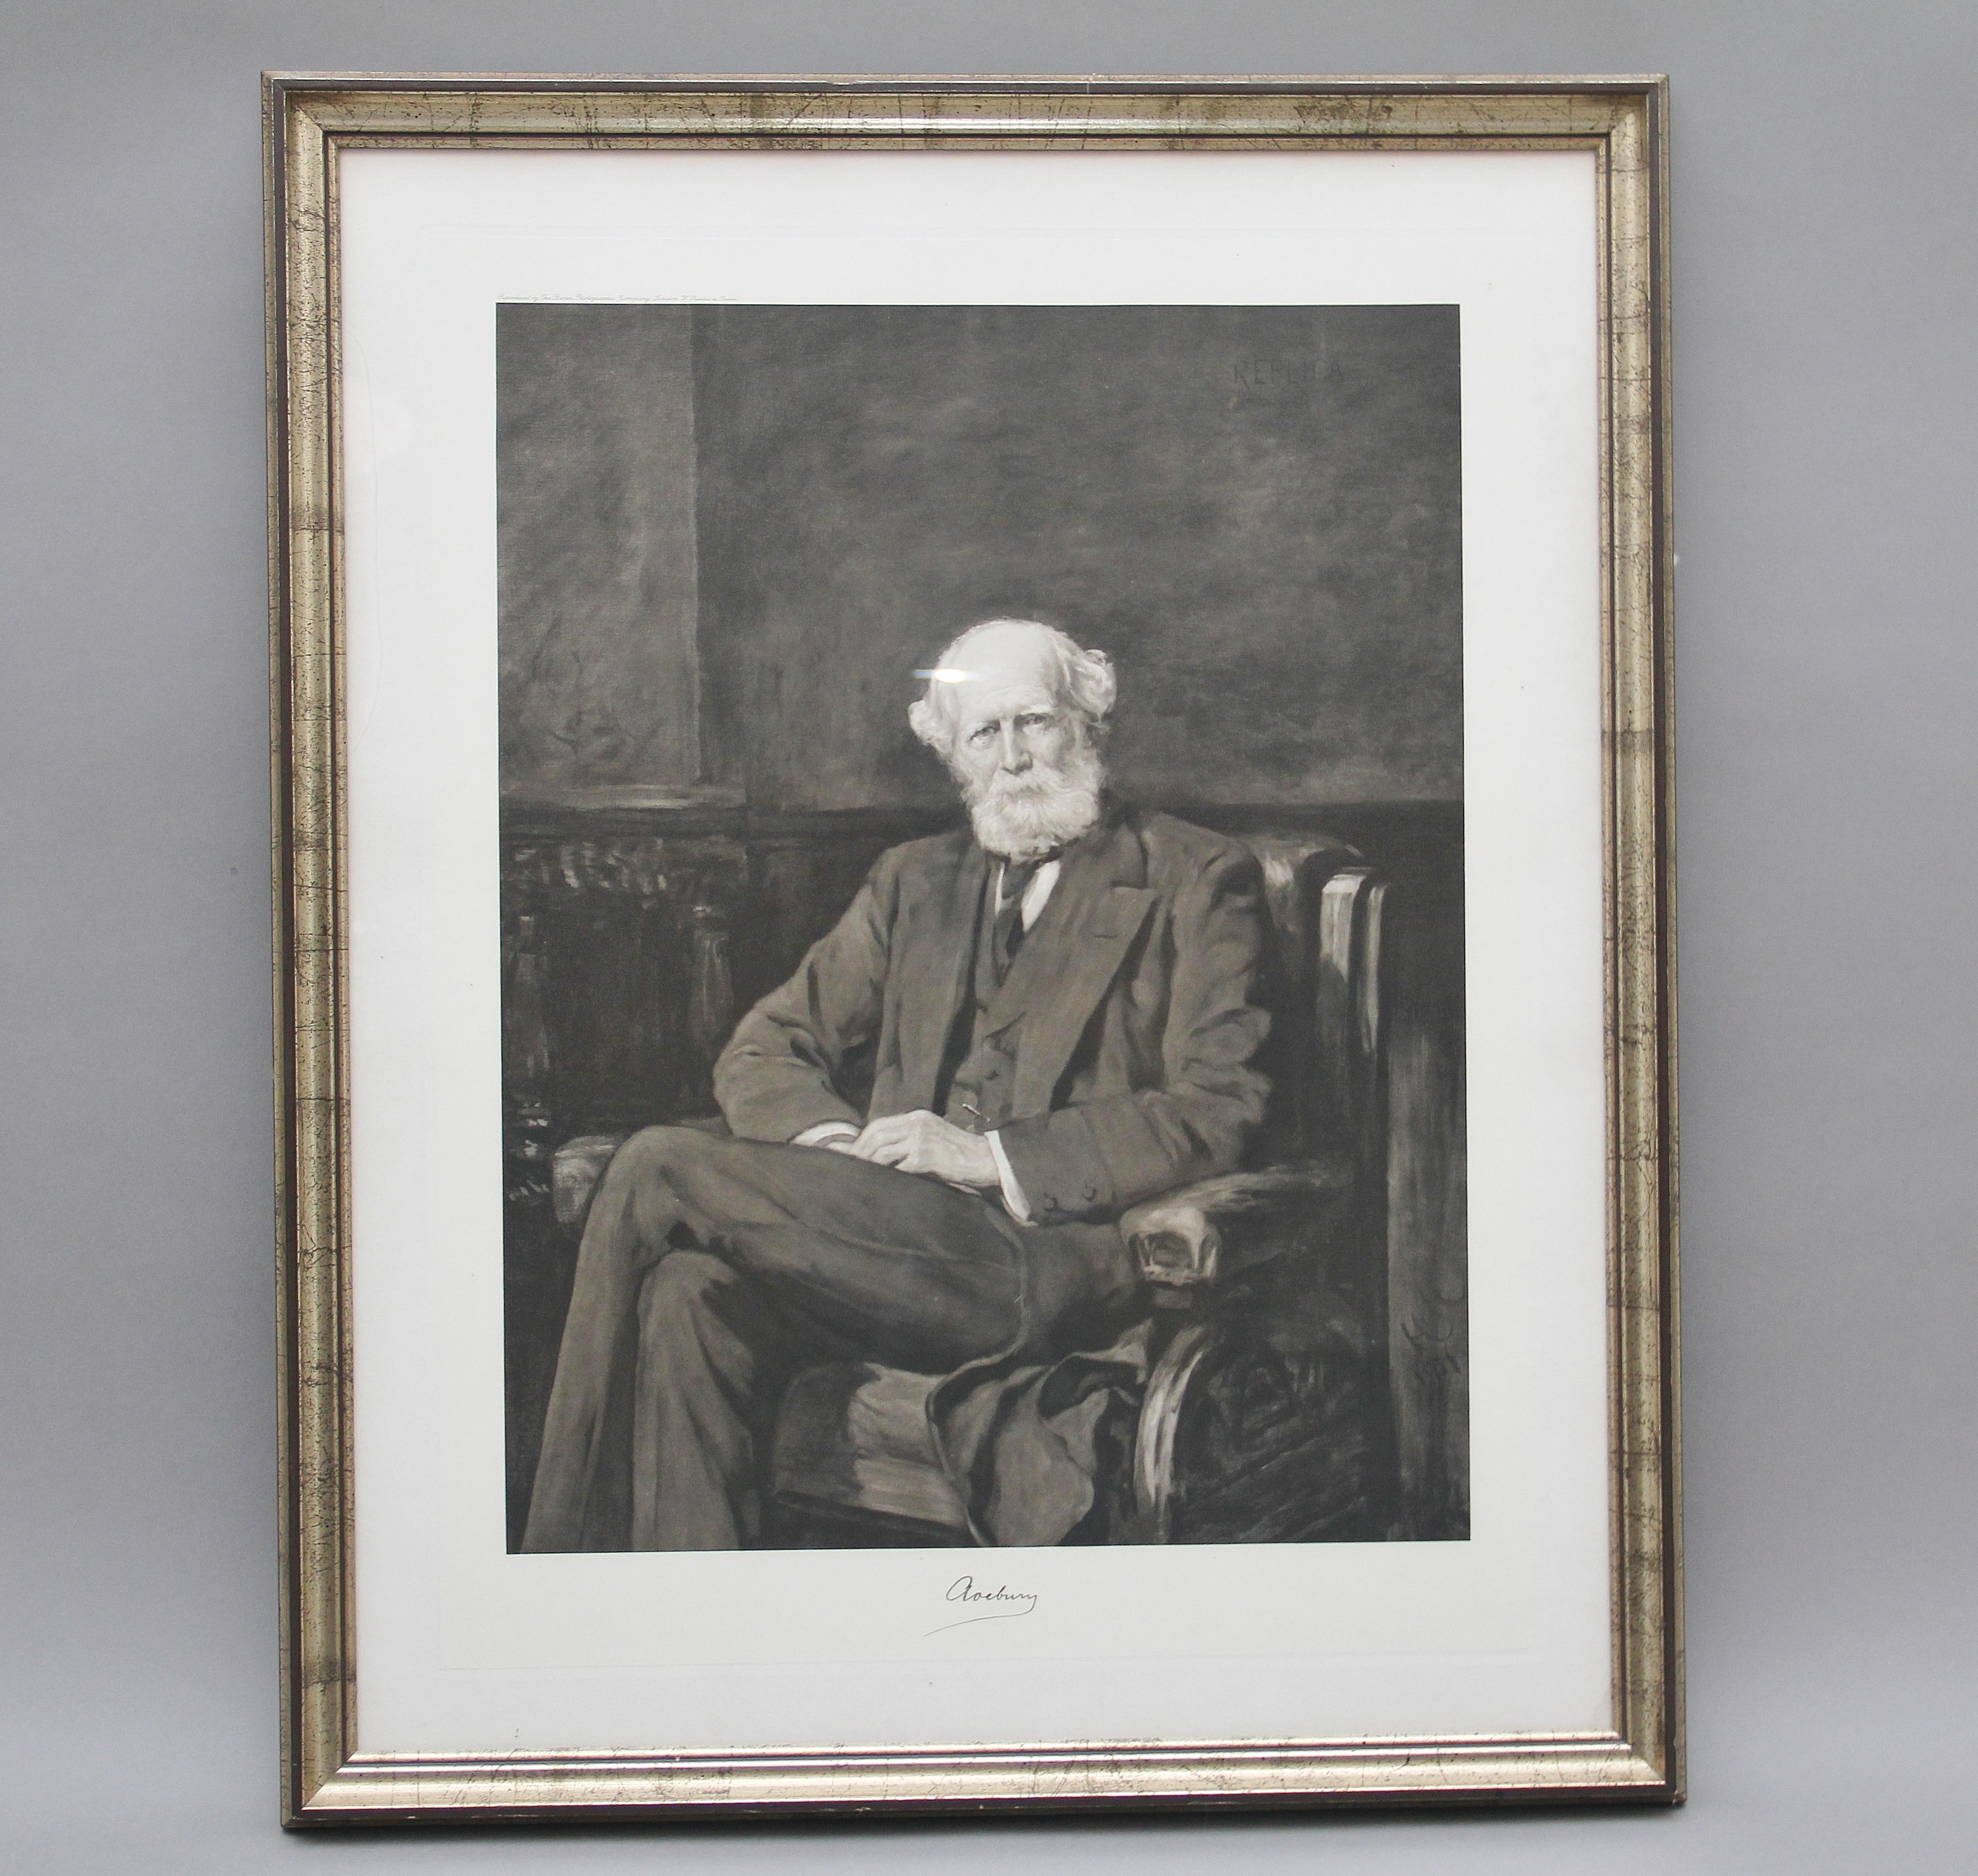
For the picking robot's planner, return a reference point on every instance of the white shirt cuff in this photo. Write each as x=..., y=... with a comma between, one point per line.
x=1013, y=1201
x=824, y=1130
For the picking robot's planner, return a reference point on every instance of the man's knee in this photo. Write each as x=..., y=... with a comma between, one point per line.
x=660, y=1150
x=700, y=1323
x=690, y=1278
x=684, y=1294
x=647, y=1177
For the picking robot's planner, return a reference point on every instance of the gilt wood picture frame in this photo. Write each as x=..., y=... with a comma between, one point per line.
x=646, y=457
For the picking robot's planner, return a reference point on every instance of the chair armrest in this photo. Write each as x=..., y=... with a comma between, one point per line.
x=1200, y=1235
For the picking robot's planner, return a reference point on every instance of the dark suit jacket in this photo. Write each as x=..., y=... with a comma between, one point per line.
x=1141, y=990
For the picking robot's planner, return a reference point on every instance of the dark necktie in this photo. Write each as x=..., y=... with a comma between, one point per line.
x=1009, y=932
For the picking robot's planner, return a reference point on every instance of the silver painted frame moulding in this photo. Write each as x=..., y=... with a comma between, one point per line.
x=309, y=120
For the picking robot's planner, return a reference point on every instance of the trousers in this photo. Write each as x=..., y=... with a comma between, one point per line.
x=712, y=1270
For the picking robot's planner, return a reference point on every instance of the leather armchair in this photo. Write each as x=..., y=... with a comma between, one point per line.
x=1258, y=1380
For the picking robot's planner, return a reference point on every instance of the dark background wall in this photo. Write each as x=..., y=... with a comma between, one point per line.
x=1826, y=473
x=1257, y=510
x=599, y=597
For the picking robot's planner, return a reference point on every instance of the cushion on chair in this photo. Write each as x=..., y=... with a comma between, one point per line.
x=854, y=1437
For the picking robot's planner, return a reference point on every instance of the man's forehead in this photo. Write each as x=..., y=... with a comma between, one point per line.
x=990, y=692
x=1005, y=655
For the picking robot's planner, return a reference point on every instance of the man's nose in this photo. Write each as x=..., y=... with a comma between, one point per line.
x=1016, y=754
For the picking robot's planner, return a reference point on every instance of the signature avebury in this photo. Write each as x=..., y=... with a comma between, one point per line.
x=974, y=1604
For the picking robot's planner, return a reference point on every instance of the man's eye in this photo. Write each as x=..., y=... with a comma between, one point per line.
x=983, y=733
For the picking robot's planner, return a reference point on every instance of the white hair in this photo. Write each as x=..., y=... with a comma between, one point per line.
x=1082, y=679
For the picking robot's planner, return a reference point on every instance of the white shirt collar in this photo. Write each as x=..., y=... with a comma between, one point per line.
x=1037, y=895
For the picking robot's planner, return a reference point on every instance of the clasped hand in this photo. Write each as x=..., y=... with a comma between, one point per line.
x=924, y=1143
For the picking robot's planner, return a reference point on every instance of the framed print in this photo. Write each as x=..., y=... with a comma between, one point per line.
x=974, y=944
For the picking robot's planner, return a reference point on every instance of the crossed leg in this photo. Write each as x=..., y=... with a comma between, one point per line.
x=739, y=1262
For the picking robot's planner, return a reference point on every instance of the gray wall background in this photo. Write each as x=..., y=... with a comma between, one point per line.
x=1257, y=510
x=1825, y=273
x=1260, y=552
x=600, y=592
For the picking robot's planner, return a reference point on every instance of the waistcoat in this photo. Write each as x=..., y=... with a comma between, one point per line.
x=978, y=1071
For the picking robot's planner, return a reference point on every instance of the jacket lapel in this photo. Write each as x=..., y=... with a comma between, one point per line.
x=1079, y=945
x=938, y=948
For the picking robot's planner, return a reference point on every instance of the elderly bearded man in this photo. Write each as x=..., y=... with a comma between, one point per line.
x=1062, y=1010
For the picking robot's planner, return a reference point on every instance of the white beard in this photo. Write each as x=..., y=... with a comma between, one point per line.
x=1025, y=817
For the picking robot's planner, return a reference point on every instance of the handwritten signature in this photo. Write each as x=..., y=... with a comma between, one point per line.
x=1007, y=1602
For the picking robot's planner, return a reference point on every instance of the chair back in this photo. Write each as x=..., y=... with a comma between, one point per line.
x=1328, y=908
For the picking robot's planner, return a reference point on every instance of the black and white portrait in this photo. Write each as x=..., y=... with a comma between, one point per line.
x=982, y=925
